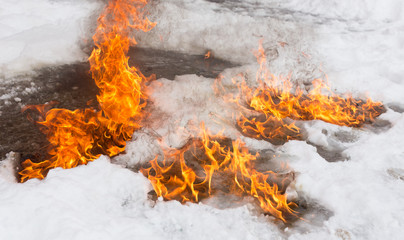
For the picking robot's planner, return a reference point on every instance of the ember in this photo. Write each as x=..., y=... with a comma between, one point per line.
x=208, y=55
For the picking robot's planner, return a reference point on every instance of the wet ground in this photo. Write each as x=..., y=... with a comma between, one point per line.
x=72, y=86
x=270, y=9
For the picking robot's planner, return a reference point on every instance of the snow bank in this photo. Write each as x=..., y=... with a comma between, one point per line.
x=43, y=32
x=105, y=201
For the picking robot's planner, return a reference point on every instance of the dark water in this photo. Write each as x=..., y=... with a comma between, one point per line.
x=72, y=86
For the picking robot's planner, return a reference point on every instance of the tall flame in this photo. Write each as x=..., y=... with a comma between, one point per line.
x=79, y=136
x=174, y=179
x=279, y=101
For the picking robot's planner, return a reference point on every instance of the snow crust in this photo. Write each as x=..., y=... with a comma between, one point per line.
x=358, y=45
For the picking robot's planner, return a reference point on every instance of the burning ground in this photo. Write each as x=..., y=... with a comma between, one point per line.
x=331, y=173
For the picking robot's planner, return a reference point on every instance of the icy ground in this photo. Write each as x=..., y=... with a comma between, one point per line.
x=357, y=195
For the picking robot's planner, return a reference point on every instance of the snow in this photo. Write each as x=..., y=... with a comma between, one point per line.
x=358, y=45
x=198, y=26
x=105, y=201
x=43, y=32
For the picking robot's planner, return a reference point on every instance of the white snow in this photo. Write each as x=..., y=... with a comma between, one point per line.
x=358, y=45
x=198, y=26
x=105, y=201
x=42, y=32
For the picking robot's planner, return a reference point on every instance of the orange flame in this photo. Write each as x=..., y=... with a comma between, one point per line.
x=207, y=55
x=277, y=100
x=174, y=179
x=79, y=136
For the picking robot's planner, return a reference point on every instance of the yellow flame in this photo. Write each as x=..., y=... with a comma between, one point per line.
x=277, y=100
x=79, y=136
x=174, y=179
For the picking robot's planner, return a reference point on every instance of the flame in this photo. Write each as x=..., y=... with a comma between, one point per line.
x=187, y=174
x=79, y=136
x=279, y=101
x=207, y=55
x=209, y=157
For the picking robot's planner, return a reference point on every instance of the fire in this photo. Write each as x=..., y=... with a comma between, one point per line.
x=279, y=102
x=207, y=55
x=191, y=173
x=209, y=158
x=79, y=136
